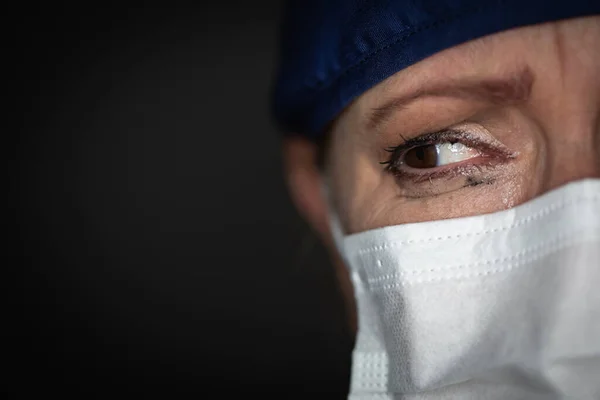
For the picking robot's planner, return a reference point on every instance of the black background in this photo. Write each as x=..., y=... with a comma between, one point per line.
x=156, y=247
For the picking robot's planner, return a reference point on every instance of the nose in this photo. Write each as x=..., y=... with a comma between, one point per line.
x=575, y=156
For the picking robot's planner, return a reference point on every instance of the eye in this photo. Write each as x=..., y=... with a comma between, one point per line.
x=447, y=160
x=437, y=155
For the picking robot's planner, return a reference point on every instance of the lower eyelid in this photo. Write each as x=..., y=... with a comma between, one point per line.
x=472, y=182
x=464, y=168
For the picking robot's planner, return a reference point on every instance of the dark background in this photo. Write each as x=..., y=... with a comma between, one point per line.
x=156, y=247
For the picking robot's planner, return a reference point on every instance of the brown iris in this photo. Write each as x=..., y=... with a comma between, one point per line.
x=422, y=157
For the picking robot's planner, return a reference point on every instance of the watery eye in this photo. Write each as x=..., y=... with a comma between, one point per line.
x=437, y=155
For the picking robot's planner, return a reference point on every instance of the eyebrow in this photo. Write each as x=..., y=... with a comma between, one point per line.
x=513, y=88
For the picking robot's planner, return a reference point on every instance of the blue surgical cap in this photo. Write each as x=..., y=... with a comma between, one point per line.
x=334, y=50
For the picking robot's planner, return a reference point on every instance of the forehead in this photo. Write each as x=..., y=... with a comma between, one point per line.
x=487, y=57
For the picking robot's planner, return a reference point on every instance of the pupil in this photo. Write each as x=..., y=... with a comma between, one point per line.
x=420, y=153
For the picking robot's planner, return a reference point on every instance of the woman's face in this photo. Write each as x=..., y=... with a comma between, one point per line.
x=471, y=130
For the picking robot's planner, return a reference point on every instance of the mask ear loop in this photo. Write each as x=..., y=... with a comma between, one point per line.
x=334, y=221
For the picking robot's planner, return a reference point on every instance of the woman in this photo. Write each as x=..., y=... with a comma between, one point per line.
x=458, y=190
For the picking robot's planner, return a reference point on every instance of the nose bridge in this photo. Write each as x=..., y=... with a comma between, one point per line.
x=574, y=154
x=570, y=107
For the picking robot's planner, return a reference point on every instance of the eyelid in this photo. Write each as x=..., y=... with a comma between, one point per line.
x=445, y=135
x=489, y=146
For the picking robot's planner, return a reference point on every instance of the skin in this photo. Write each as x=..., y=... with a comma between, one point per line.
x=533, y=92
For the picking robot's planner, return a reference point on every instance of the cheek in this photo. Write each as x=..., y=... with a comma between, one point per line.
x=360, y=189
x=357, y=189
x=378, y=210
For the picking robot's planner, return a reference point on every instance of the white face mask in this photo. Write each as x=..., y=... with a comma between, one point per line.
x=497, y=306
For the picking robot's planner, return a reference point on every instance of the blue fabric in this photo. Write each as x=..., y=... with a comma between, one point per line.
x=334, y=50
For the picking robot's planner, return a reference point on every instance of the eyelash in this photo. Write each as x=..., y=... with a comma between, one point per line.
x=488, y=151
